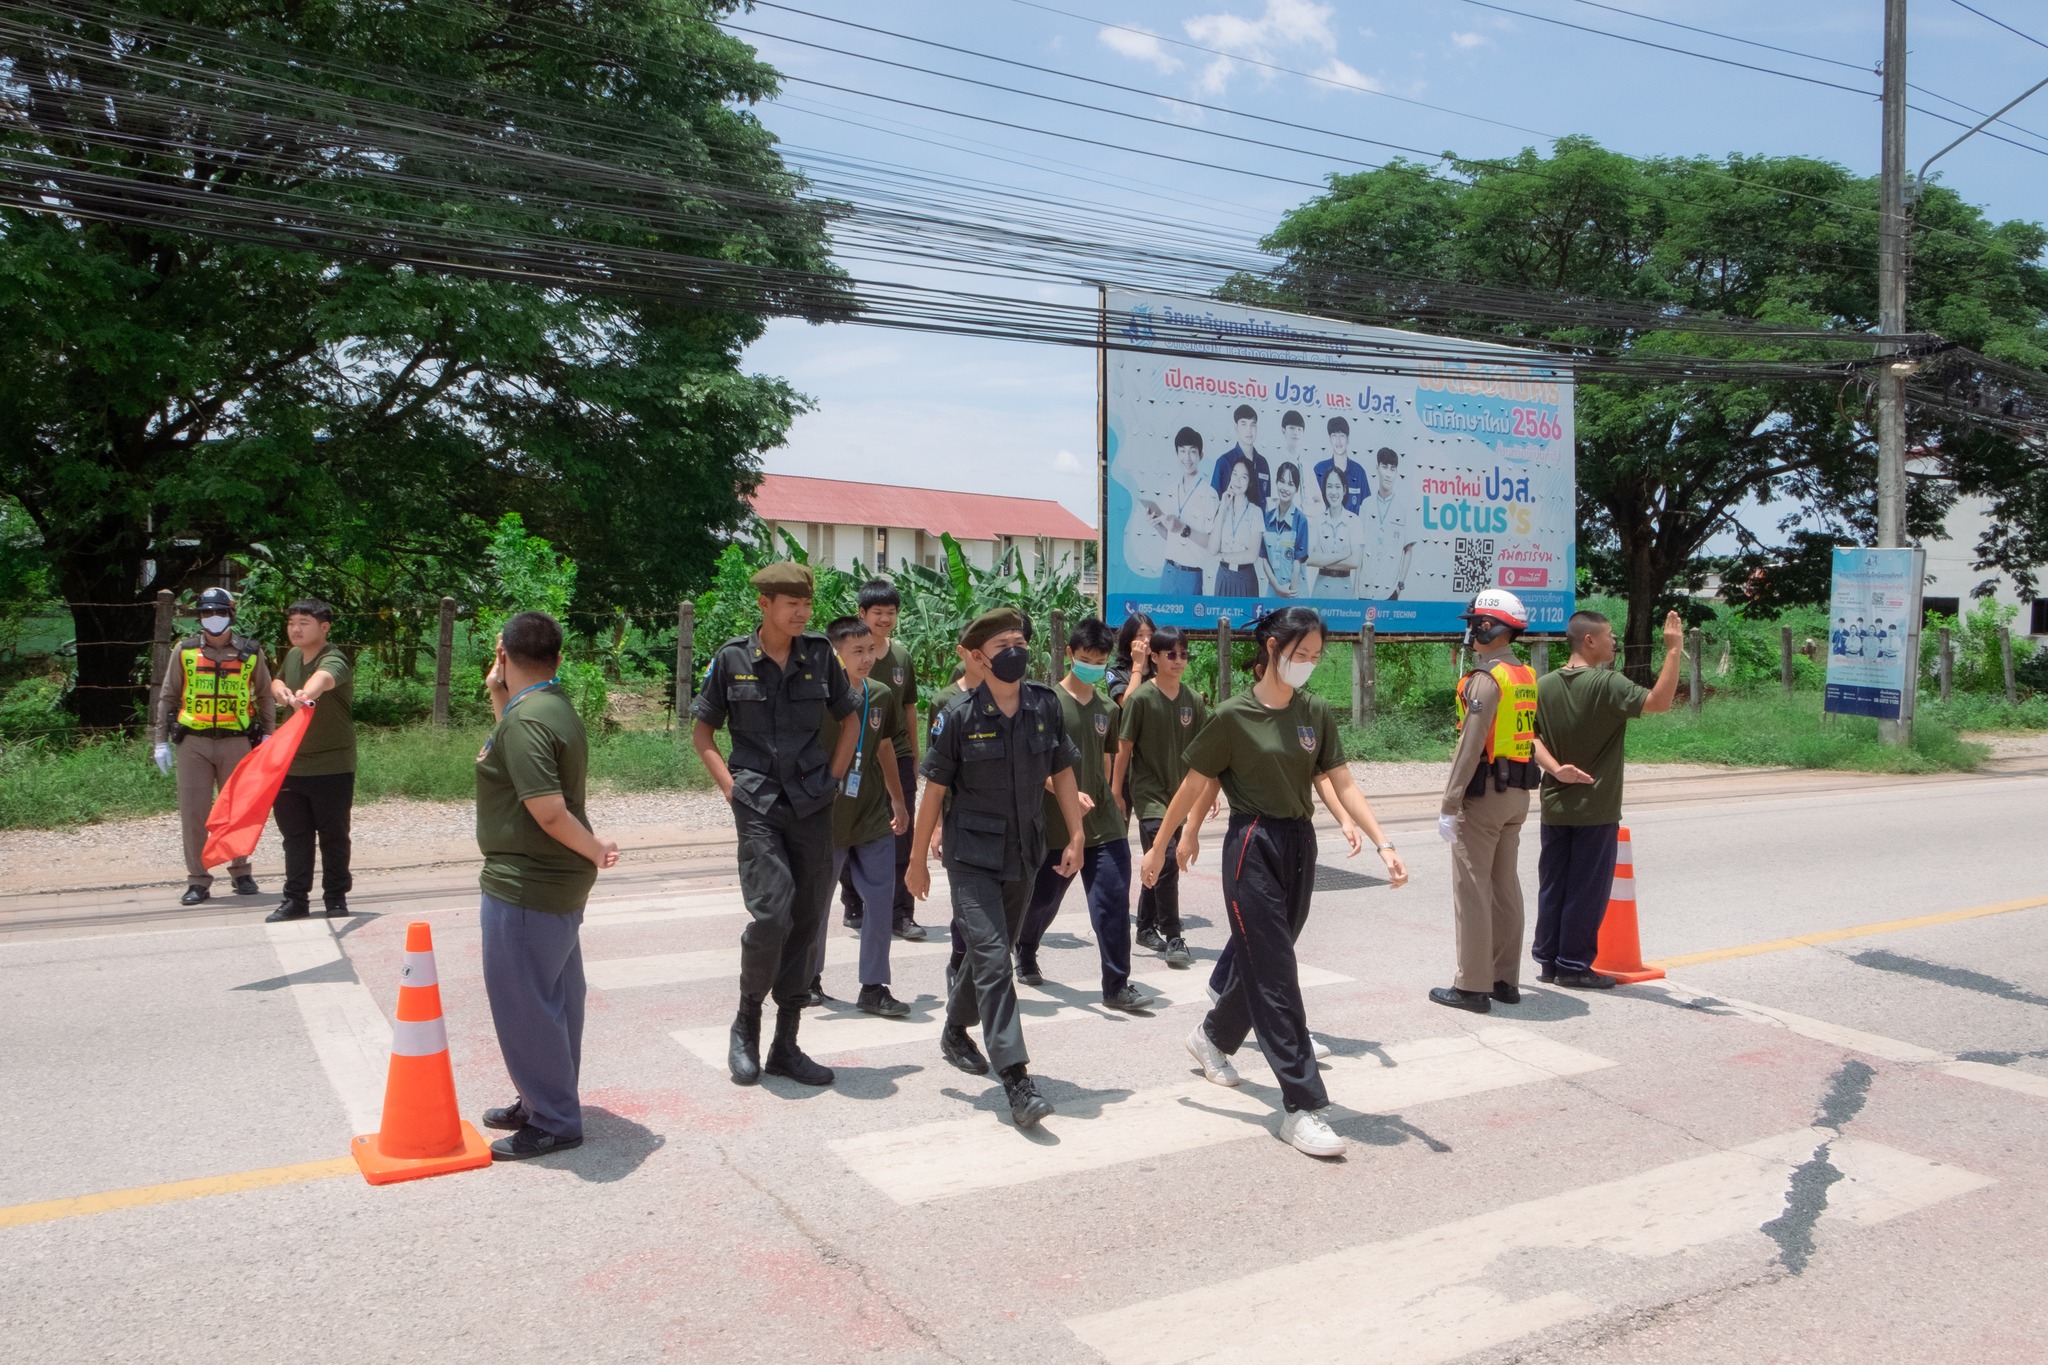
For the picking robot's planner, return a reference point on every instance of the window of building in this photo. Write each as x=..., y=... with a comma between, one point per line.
x=1940, y=606
x=2038, y=622
x=881, y=548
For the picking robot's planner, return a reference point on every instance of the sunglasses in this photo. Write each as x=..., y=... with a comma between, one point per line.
x=1170, y=654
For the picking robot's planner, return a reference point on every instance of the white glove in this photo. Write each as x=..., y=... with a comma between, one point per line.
x=1447, y=828
x=163, y=758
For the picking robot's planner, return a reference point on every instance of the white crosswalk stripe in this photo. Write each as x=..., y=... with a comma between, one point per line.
x=938, y=1160
x=1422, y=1298
x=835, y=1033
x=710, y=964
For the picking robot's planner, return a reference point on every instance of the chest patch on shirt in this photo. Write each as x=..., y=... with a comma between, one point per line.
x=874, y=720
x=1307, y=733
x=899, y=677
x=1102, y=725
x=1187, y=715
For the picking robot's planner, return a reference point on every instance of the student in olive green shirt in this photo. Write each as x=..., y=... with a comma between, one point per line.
x=319, y=790
x=1582, y=715
x=1106, y=855
x=867, y=814
x=1160, y=715
x=1270, y=749
x=879, y=606
x=540, y=861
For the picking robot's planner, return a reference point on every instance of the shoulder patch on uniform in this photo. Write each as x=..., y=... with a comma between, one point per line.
x=1307, y=734
x=899, y=677
x=938, y=724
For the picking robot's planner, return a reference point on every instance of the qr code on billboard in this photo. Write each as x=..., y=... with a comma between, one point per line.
x=1471, y=564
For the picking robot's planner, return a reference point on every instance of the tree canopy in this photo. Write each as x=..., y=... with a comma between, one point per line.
x=169, y=396
x=1784, y=246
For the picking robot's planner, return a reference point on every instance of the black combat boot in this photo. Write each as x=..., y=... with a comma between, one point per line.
x=744, y=1057
x=1027, y=1106
x=785, y=1058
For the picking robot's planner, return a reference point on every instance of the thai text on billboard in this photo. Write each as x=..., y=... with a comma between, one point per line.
x=1873, y=631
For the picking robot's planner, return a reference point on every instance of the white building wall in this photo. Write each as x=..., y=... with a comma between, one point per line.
x=1949, y=571
x=852, y=548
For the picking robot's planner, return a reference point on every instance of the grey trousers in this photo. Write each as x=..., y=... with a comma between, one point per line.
x=204, y=762
x=990, y=915
x=786, y=881
x=1486, y=888
x=533, y=977
x=874, y=878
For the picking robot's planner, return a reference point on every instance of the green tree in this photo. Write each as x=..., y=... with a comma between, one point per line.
x=1787, y=241
x=171, y=397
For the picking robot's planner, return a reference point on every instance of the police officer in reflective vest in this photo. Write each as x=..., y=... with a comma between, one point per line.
x=993, y=752
x=772, y=690
x=214, y=704
x=1486, y=802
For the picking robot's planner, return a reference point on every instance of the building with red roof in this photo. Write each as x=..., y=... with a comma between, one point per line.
x=862, y=527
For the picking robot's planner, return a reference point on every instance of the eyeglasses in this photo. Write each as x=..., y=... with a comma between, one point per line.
x=1170, y=654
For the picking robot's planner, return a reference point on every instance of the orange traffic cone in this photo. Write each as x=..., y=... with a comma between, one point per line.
x=1621, y=950
x=423, y=1133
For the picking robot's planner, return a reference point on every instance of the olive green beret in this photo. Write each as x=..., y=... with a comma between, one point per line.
x=990, y=624
x=786, y=578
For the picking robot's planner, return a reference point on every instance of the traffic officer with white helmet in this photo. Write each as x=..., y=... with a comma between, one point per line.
x=1486, y=802
x=215, y=703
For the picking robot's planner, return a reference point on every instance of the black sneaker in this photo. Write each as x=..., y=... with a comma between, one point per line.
x=910, y=930
x=286, y=909
x=877, y=1000
x=337, y=908
x=1507, y=993
x=851, y=919
x=1177, y=954
x=1151, y=939
x=1479, y=1002
x=510, y=1117
x=816, y=996
x=245, y=885
x=531, y=1142
x=1129, y=997
x=1027, y=1106
x=195, y=895
x=959, y=1049
x=1028, y=973
x=1587, y=981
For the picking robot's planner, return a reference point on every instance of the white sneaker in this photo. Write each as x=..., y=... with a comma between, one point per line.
x=1305, y=1131
x=1322, y=1049
x=1215, y=1066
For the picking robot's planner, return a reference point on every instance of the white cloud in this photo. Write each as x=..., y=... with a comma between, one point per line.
x=1468, y=40
x=1067, y=462
x=1344, y=73
x=1140, y=47
x=1284, y=24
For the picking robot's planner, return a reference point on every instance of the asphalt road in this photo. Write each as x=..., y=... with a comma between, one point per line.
x=1827, y=1151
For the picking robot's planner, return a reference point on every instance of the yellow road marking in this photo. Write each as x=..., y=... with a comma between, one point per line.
x=206, y=1187
x=1890, y=926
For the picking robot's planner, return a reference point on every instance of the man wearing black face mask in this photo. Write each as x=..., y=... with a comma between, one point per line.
x=992, y=750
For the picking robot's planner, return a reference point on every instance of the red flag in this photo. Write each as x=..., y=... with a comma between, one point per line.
x=236, y=821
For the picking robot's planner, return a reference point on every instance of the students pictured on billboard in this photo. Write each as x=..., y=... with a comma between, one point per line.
x=1245, y=470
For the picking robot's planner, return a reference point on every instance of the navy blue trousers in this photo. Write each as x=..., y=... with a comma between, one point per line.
x=533, y=977
x=1574, y=877
x=1106, y=876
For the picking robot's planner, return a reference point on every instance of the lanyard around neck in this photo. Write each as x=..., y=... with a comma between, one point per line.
x=530, y=687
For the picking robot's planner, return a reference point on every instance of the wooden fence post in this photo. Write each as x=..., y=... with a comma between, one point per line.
x=1945, y=663
x=1056, y=648
x=161, y=640
x=1693, y=642
x=444, y=660
x=686, y=661
x=1365, y=678
x=1785, y=659
x=1222, y=659
x=2012, y=692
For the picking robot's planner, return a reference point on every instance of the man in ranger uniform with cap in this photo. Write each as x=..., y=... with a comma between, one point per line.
x=1499, y=761
x=993, y=749
x=216, y=700
x=772, y=690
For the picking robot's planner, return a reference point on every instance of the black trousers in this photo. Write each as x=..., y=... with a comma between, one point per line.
x=786, y=881
x=1269, y=869
x=1159, y=906
x=904, y=907
x=310, y=809
x=1574, y=878
x=988, y=914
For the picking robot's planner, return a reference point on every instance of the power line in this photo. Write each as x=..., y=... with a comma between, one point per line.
x=2002, y=24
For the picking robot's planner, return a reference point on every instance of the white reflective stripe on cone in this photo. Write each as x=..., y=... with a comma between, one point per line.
x=418, y=970
x=419, y=1037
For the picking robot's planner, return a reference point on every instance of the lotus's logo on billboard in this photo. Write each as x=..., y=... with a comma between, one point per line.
x=1139, y=328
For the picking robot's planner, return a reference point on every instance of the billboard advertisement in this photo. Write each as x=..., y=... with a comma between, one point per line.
x=1258, y=458
x=1874, y=632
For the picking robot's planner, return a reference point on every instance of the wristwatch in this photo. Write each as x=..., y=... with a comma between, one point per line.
x=1383, y=848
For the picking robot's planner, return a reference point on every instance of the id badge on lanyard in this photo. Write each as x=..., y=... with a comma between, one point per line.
x=850, y=784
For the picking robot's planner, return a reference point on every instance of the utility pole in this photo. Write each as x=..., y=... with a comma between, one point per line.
x=1893, y=240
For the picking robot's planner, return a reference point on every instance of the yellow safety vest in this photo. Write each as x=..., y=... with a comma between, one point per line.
x=216, y=691
x=1514, y=720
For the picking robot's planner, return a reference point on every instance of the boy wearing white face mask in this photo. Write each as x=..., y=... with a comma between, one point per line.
x=215, y=700
x=1106, y=856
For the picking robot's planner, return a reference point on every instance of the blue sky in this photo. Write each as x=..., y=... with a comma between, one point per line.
x=1008, y=417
